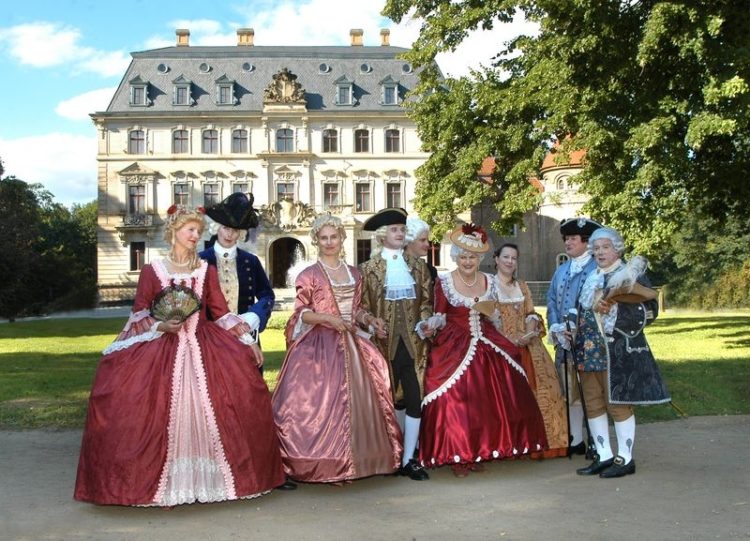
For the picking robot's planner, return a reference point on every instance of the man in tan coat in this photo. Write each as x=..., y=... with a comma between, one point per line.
x=398, y=289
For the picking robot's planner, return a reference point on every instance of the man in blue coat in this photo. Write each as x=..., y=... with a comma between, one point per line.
x=243, y=281
x=562, y=296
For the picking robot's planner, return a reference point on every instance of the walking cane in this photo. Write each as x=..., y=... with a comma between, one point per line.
x=571, y=322
x=567, y=399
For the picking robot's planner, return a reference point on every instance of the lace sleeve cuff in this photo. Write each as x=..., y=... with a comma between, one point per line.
x=141, y=327
x=300, y=326
x=238, y=327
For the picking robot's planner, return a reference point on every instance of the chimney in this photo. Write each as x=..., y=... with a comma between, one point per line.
x=356, y=35
x=385, y=37
x=183, y=37
x=245, y=37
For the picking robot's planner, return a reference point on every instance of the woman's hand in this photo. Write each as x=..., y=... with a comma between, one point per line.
x=258, y=354
x=337, y=323
x=172, y=326
x=427, y=331
x=381, y=331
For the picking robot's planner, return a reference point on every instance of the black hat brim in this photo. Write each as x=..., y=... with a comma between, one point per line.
x=572, y=227
x=388, y=216
x=236, y=211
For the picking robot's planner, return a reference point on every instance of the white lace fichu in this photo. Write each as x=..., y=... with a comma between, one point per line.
x=399, y=283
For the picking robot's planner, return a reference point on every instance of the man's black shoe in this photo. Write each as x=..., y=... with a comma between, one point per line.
x=597, y=466
x=619, y=469
x=414, y=471
x=578, y=449
x=288, y=485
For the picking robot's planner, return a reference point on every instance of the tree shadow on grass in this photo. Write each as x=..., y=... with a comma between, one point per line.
x=690, y=324
x=63, y=328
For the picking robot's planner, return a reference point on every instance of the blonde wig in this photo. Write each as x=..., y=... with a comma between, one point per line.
x=328, y=220
x=177, y=217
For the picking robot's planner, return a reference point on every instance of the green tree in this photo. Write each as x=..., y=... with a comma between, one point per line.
x=658, y=93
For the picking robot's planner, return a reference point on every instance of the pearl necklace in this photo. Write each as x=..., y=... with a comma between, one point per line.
x=341, y=262
x=173, y=262
x=467, y=284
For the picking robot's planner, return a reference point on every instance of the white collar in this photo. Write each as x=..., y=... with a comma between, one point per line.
x=611, y=268
x=225, y=253
x=389, y=253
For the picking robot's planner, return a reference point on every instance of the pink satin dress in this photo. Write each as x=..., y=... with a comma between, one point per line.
x=332, y=402
x=478, y=404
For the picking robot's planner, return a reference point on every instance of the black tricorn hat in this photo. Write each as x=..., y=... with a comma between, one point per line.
x=388, y=216
x=236, y=211
x=578, y=226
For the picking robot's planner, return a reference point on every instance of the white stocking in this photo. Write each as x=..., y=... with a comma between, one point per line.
x=600, y=431
x=625, y=431
x=411, y=436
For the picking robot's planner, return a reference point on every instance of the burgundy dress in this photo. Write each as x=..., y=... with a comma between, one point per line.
x=178, y=418
x=332, y=402
x=478, y=404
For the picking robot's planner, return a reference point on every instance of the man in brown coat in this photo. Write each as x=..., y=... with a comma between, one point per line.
x=397, y=289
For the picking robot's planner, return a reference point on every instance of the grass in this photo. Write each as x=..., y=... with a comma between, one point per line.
x=46, y=366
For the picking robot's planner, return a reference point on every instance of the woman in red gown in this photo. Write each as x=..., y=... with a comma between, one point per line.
x=178, y=411
x=478, y=404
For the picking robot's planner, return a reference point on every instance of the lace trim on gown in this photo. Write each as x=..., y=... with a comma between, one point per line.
x=475, y=327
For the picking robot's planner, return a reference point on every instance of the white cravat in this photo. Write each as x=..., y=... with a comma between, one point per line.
x=578, y=263
x=399, y=283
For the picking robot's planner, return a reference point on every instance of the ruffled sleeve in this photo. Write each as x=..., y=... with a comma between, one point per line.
x=303, y=302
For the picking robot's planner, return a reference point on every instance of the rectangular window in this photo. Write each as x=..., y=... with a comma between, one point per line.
x=363, y=197
x=137, y=199
x=392, y=141
x=331, y=195
x=361, y=141
x=285, y=140
x=136, y=142
x=343, y=94
x=364, y=247
x=285, y=190
x=330, y=141
x=240, y=187
x=180, y=142
x=181, y=95
x=389, y=95
x=240, y=142
x=139, y=95
x=137, y=255
x=225, y=95
x=393, y=194
x=211, y=195
x=181, y=194
x=433, y=254
x=210, y=142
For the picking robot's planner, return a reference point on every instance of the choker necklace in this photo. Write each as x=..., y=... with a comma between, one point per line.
x=467, y=284
x=341, y=262
x=173, y=262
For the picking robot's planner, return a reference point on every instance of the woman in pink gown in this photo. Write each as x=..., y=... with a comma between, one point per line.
x=332, y=403
x=478, y=404
x=178, y=411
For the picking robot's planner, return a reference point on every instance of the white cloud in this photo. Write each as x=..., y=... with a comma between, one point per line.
x=45, y=44
x=79, y=107
x=65, y=164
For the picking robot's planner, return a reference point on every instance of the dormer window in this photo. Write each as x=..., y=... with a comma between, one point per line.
x=139, y=92
x=344, y=91
x=389, y=92
x=225, y=91
x=182, y=92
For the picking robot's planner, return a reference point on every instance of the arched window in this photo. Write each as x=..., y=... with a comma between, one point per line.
x=284, y=140
x=362, y=140
x=240, y=142
x=392, y=141
x=180, y=142
x=136, y=142
x=330, y=140
x=210, y=142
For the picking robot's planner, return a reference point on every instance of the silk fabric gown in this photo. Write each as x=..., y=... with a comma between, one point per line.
x=178, y=418
x=539, y=367
x=478, y=404
x=332, y=403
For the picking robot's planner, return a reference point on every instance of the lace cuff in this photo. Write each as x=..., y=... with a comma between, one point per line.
x=237, y=326
x=141, y=327
x=252, y=320
x=300, y=327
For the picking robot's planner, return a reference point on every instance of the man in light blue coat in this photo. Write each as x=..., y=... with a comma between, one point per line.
x=562, y=296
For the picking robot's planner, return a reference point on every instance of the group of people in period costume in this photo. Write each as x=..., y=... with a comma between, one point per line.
x=390, y=368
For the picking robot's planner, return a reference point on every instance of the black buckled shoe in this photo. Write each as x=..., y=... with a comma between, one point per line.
x=619, y=469
x=578, y=449
x=597, y=466
x=287, y=485
x=414, y=471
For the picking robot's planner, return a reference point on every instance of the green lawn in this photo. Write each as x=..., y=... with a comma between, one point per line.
x=46, y=366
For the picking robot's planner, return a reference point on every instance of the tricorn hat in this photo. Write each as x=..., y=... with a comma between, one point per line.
x=470, y=237
x=236, y=211
x=578, y=226
x=387, y=216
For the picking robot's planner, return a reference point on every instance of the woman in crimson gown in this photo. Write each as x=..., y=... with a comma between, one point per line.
x=178, y=411
x=332, y=402
x=478, y=404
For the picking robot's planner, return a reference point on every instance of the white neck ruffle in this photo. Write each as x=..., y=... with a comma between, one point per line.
x=399, y=283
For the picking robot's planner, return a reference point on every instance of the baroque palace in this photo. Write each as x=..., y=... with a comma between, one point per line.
x=305, y=130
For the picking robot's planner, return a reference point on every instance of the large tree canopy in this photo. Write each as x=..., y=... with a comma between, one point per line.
x=658, y=93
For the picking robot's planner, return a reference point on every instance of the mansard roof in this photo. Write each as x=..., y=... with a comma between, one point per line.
x=252, y=69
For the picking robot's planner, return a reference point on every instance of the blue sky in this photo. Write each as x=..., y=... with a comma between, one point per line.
x=62, y=59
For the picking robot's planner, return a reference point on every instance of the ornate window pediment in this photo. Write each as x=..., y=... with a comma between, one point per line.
x=225, y=91
x=136, y=173
x=182, y=91
x=284, y=89
x=139, y=92
x=344, y=91
x=389, y=94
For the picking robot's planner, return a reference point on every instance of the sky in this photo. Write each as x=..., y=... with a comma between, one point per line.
x=61, y=60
